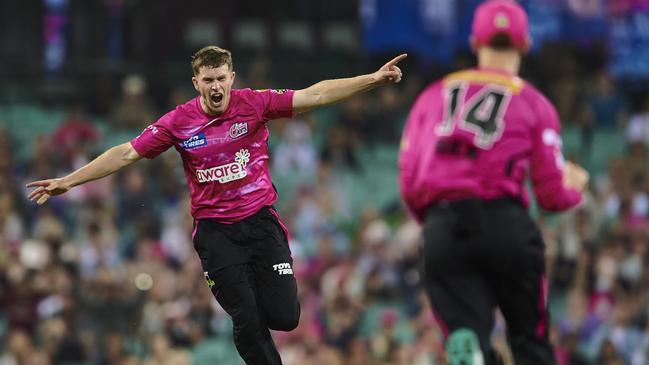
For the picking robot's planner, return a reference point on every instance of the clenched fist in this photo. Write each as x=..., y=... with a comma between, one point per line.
x=574, y=176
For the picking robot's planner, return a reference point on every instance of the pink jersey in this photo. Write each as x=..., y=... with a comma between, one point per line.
x=225, y=157
x=476, y=134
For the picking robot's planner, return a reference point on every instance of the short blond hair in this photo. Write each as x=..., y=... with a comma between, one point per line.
x=211, y=56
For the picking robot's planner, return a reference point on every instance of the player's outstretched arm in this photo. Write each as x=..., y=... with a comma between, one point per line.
x=331, y=91
x=107, y=163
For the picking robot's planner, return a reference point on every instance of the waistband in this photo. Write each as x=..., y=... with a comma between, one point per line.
x=261, y=211
x=472, y=204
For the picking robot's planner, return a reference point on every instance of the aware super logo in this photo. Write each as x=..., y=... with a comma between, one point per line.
x=229, y=172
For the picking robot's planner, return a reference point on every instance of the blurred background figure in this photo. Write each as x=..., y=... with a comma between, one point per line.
x=133, y=110
x=295, y=153
x=74, y=137
x=80, y=255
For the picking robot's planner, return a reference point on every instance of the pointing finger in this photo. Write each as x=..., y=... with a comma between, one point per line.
x=38, y=183
x=397, y=59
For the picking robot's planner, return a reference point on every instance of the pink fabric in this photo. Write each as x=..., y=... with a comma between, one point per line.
x=501, y=16
x=528, y=141
x=225, y=157
x=286, y=231
x=542, y=324
x=442, y=325
x=71, y=135
x=194, y=230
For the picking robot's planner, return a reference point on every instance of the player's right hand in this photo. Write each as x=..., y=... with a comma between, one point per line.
x=574, y=176
x=390, y=72
x=46, y=189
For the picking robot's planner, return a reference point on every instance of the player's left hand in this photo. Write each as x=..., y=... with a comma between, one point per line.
x=390, y=73
x=45, y=189
x=575, y=177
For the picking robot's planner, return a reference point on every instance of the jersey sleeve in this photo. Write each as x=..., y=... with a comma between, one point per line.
x=547, y=161
x=155, y=138
x=274, y=103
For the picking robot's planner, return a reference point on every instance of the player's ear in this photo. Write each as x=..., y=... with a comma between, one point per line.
x=234, y=74
x=195, y=82
x=473, y=41
x=528, y=45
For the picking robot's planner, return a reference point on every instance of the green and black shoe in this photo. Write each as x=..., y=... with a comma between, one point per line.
x=463, y=348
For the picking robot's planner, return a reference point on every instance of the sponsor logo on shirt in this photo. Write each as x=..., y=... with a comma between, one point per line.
x=283, y=269
x=153, y=129
x=552, y=138
x=229, y=172
x=210, y=282
x=195, y=141
x=274, y=91
x=238, y=129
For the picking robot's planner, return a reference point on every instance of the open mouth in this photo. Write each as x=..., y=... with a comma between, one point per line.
x=216, y=98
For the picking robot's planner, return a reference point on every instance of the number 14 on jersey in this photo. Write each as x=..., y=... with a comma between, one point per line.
x=481, y=114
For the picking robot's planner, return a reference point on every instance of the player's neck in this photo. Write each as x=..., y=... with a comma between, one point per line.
x=506, y=61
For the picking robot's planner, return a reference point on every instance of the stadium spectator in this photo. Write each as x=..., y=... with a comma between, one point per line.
x=74, y=137
x=134, y=110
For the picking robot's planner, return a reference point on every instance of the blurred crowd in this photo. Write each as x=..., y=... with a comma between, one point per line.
x=107, y=275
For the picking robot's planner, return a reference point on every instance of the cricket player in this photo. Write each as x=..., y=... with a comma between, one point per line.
x=471, y=140
x=222, y=138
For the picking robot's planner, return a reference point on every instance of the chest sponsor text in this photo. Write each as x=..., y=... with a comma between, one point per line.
x=225, y=173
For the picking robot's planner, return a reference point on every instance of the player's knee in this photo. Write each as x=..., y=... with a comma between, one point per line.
x=245, y=318
x=463, y=348
x=285, y=321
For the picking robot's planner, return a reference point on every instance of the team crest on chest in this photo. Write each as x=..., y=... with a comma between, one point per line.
x=238, y=129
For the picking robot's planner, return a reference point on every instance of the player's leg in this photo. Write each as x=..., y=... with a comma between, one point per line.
x=464, y=307
x=273, y=269
x=522, y=297
x=250, y=331
x=459, y=294
x=226, y=264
